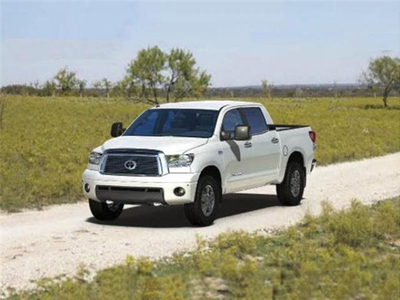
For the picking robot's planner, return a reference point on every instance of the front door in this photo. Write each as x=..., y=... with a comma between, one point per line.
x=237, y=155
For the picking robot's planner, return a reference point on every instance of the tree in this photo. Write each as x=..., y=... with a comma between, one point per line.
x=266, y=88
x=49, y=88
x=18, y=89
x=184, y=79
x=125, y=88
x=97, y=86
x=146, y=72
x=35, y=85
x=81, y=86
x=298, y=93
x=107, y=84
x=66, y=81
x=154, y=71
x=335, y=89
x=384, y=73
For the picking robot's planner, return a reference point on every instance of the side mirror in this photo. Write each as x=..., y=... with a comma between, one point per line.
x=117, y=129
x=242, y=133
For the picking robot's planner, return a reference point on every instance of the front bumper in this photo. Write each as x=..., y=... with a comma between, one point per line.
x=140, y=189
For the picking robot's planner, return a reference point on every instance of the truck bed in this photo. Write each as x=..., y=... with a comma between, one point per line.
x=282, y=127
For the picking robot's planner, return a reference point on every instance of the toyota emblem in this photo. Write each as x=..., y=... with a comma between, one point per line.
x=130, y=165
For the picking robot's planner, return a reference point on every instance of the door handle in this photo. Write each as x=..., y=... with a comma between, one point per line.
x=248, y=144
x=275, y=140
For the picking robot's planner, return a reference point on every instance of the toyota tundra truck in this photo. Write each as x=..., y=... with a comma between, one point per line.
x=192, y=153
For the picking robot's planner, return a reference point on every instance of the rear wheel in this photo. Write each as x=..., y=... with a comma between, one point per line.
x=105, y=211
x=290, y=191
x=203, y=211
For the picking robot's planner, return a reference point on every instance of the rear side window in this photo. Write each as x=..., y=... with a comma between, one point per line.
x=255, y=120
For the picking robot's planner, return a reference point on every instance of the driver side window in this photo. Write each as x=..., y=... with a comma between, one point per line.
x=231, y=119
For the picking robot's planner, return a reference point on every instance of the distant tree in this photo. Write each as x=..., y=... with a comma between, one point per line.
x=125, y=88
x=374, y=89
x=18, y=89
x=49, y=88
x=107, y=85
x=335, y=89
x=66, y=81
x=81, y=85
x=266, y=88
x=119, y=89
x=35, y=85
x=97, y=86
x=175, y=74
x=298, y=92
x=384, y=73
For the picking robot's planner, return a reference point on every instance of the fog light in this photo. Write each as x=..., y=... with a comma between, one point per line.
x=87, y=187
x=179, y=191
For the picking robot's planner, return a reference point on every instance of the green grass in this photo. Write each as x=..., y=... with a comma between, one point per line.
x=347, y=129
x=351, y=254
x=45, y=142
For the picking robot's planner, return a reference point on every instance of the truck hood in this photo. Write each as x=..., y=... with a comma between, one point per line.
x=168, y=145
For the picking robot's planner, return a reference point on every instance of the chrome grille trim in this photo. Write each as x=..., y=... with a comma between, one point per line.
x=163, y=164
x=133, y=154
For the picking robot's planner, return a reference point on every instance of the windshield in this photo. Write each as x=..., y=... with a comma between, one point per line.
x=174, y=122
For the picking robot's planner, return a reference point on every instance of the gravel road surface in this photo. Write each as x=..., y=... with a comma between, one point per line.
x=59, y=239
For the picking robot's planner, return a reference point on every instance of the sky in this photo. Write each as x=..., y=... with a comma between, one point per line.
x=239, y=43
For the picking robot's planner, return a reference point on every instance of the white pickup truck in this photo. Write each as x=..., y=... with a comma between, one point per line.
x=192, y=153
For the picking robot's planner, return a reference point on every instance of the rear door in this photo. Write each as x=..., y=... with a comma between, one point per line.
x=265, y=146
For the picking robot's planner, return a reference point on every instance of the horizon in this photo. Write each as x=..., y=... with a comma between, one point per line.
x=285, y=85
x=238, y=43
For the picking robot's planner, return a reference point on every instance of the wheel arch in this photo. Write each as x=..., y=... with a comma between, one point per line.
x=297, y=156
x=212, y=171
x=215, y=173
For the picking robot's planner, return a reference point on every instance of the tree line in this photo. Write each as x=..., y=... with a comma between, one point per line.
x=155, y=76
x=152, y=75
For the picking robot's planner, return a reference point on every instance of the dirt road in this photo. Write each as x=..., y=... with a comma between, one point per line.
x=58, y=240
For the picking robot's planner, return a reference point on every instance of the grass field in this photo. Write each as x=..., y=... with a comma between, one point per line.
x=350, y=254
x=45, y=142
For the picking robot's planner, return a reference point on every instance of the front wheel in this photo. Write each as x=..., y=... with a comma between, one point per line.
x=105, y=211
x=203, y=211
x=290, y=191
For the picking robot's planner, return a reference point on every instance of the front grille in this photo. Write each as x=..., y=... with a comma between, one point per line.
x=134, y=164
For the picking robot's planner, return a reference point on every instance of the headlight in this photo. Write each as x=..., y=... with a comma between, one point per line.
x=176, y=161
x=94, y=158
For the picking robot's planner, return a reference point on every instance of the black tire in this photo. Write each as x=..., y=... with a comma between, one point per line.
x=104, y=211
x=204, y=209
x=290, y=191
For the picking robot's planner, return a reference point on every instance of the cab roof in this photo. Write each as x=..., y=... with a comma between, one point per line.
x=207, y=104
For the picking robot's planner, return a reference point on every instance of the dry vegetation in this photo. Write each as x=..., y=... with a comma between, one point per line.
x=45, y=142
x=350, y=254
